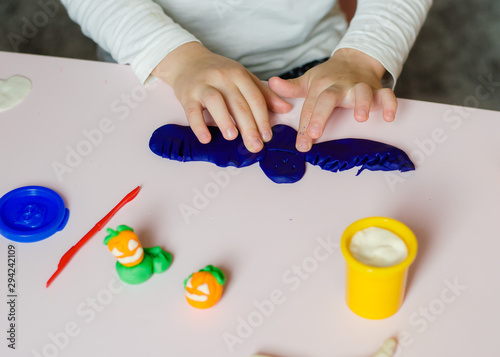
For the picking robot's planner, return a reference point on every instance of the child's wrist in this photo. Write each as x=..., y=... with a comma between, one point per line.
x=361, y=59
x=171, y=63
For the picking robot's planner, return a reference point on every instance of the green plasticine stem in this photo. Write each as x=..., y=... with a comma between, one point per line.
x=156, y=260
x=216, y=272
x=113, y=233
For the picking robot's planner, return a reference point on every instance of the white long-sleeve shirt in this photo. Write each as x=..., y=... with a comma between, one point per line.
x=268, y=37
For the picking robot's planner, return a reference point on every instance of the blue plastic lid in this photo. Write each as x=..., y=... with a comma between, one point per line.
x=32, y=213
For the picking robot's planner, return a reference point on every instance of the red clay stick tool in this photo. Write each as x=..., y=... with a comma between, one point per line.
x=70, y=253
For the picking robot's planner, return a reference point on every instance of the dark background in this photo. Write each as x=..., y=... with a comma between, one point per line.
x=457, y=49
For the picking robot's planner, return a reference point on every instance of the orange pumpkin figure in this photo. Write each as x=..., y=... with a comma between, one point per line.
x=125, y=246
x=135, y=264
x=204, y=288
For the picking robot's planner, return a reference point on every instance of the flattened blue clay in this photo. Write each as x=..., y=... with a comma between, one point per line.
x=283, y=163
x=344, y=154
x=176, y=142
x=279, y=159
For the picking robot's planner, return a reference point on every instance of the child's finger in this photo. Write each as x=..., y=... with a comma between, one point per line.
x=194, y=114
x=304, y=141
x=289, y=88
x=274, y=102
x=243, y=116
x=386, y=99
x=213, y=100
x=362, y=101
x=326, y=102
x=258, y=106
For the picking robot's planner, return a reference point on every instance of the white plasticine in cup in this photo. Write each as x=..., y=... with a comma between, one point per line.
x=378, y=247
x=13, y=90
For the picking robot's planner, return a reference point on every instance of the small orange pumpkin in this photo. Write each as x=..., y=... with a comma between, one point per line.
x=204, y=288
x=125, y=246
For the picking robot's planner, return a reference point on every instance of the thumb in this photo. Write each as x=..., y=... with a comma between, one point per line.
x=289, y=88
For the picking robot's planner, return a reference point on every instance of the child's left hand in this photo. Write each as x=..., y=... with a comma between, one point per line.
x=349, y=79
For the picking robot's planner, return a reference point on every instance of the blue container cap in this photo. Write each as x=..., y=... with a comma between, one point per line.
x=32, y=213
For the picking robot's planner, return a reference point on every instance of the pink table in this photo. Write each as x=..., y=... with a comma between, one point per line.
x=84, y=130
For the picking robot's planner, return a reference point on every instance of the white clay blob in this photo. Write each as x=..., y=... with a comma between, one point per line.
x=387, y=349
x=13, y=91
x=378, y=247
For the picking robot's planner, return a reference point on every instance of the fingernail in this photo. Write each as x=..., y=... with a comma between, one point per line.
x=314, y=130
x=303, y=145
x=362, y=113
x=204, y=138
x=232, y=133
x=267, y=135
x=256, y=143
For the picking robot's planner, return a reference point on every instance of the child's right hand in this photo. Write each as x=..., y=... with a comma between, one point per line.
x=348, y=79
x=204, y=80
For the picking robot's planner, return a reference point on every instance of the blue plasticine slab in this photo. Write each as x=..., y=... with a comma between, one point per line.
x=279, y=159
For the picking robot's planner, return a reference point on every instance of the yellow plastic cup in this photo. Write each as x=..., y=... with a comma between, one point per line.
x=377, y=292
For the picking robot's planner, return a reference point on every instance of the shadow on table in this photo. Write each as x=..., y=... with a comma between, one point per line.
x=424, y=232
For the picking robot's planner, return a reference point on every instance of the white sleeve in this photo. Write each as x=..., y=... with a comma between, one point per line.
x=386, y=31
x=135, y=32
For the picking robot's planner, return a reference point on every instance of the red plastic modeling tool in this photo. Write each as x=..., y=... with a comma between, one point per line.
x=70, y=253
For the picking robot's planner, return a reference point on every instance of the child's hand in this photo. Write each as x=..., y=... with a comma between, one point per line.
x=349, y=79
x=204, y=80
